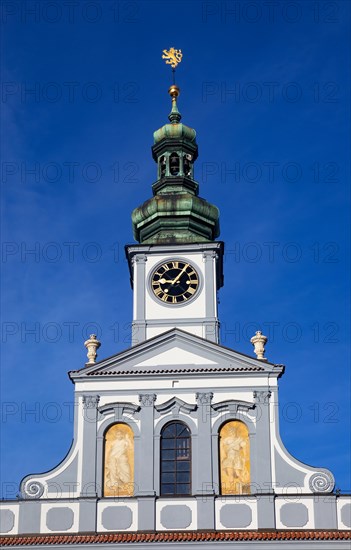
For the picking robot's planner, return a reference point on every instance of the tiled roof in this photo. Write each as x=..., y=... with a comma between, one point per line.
x=174, y=536
x=172, y=371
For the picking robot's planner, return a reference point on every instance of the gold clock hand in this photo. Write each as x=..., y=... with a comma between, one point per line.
x=180, y=274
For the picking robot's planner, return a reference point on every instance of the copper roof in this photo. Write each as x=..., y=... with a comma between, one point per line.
x=174, y=536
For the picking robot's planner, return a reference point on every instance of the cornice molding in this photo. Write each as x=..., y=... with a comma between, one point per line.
x=176, y=405
x=119, y=409
x=232, y=406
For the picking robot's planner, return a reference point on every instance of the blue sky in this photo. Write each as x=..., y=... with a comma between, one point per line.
x=266, y=89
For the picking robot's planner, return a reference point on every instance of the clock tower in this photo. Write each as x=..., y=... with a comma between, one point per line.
x=176, y=439
x=176, y=269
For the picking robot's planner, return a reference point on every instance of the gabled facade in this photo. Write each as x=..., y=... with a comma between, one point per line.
x=176, y=440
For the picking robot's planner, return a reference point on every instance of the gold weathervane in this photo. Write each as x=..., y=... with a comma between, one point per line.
x=173, y=57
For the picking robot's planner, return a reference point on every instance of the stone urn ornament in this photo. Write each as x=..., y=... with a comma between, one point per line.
x=259, y=341
x=92, y=345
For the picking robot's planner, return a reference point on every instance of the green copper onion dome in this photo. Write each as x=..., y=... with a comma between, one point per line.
x=175, y=131
x=175, y=214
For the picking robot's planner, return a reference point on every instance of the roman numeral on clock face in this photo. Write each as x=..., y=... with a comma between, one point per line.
x=175, y=282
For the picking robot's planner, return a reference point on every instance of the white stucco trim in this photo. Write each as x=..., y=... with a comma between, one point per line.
x=190, y=381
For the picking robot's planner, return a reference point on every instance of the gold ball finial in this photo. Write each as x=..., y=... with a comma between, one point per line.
x=174, y=91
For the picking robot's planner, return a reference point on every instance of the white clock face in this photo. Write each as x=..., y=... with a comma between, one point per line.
x=175, y=282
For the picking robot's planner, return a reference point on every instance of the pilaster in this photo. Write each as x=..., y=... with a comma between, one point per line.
x=262, y=485
x=209, y=259
x=146, y=463
x=211, y=329
x=206, y=512
x=90, y=414
x=146, y=484
x=325, y=512
x=87, y=515
x=263, y=479
x=265, y=510
x=138, y=326
x=204, y=481
x=146, y=513
x=29, y=517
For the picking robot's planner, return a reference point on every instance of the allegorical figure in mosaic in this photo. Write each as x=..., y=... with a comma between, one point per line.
x=119, y=451
x=234, y=458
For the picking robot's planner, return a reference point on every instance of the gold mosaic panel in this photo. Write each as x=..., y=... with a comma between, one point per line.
x=119, y=461
x=234, y=458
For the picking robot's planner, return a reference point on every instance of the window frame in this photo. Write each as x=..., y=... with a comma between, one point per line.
x=175, y=470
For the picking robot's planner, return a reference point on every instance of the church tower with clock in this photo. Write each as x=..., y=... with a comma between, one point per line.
x=176, y=439
x=176, y=269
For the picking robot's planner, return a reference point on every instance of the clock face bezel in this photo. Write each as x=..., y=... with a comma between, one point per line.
x=184, y=302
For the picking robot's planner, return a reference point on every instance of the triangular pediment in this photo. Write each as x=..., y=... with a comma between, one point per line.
x=176, y=355
x=176, y=351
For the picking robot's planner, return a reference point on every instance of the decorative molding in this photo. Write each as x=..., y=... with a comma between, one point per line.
x=147, y=399
x=164, y=248
x=119, y=409
x=182, y=322
x=204, y=398
x=33, y=489
x=176, y=405
x=140, y=258
x=322, y=482
x=90, y=401
x=233, y=406
x=262, y=396
x=209, y=255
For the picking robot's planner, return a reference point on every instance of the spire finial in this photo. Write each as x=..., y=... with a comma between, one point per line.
x=174, y=116
x=173, y=57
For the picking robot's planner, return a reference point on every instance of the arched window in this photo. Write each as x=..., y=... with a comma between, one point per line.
x=163, y=165
x=174, y=164
x=175, y=459
x=234, y=458
x=119, y=461
x=187, y=166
